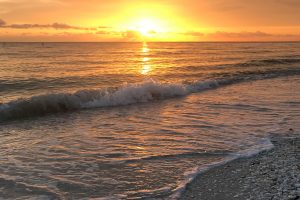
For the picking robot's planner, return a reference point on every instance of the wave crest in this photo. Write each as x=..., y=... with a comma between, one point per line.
x=61, y=102
x=127, y=94
x=271, y=62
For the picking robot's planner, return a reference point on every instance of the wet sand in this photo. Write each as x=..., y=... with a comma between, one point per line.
x=273, y=174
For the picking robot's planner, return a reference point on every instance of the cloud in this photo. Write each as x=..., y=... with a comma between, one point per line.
x=193, y=33
x=152, y=32
x=224, y=34
x=62, y=26
x=102, y=32
x=65, y=36
x=24, y=26
x=240, y=34
x=43, y=26
x=2, y=22
x=131, y=35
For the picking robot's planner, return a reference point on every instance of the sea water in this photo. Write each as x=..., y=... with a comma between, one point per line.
x=137, y=120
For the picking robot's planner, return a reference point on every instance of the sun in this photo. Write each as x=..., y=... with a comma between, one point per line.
x=147, y=27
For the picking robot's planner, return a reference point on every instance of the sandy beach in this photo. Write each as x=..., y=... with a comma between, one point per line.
x=273, y=174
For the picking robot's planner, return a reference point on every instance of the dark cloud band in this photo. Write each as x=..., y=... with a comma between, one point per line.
x=3, y=24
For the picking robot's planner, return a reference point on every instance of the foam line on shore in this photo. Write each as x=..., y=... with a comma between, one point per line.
x=264, y=145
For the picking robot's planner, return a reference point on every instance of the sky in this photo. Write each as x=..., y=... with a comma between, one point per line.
x=149, y=20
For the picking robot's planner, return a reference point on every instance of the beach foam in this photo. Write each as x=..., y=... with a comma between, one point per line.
x=263, y=145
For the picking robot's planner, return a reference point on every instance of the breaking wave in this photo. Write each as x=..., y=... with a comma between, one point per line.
x=125, y=95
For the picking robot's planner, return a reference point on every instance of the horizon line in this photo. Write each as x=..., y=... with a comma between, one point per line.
x=283, y=41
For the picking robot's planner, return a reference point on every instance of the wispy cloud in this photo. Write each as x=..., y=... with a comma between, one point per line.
x=242, y=36
x=229, y=34
x=131, y=35
x=128, y=35
x=193, y=33
x=103, y=32
x=3, y=24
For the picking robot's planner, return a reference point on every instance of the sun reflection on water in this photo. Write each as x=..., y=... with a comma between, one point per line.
x=146, y=68
x=145, y=48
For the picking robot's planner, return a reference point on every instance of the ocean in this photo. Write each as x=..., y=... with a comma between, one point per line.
x=137, y=120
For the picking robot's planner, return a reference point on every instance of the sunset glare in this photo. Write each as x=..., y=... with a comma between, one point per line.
x=147, y=28
x=170, y=20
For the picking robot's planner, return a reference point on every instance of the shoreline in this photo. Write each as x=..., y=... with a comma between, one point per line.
x=270, y=174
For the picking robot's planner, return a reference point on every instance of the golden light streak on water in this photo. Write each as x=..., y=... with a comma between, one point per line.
x=146, y=67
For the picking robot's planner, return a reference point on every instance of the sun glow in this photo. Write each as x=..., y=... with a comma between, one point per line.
x=147, y=28
x=151, y=22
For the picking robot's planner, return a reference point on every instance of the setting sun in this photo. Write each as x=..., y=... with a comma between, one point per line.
x=147, y=28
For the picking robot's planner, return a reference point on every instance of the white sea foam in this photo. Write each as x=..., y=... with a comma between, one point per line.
x=137, y=93
x=127, y=94
x=263, y=145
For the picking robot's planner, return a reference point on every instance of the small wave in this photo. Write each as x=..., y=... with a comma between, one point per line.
x=241, y=107
x=28, y=189
x=270, y=62
x=125, y=95
x=250, y=63
x=178, y=156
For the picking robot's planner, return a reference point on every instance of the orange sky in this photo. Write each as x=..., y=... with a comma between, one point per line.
x=151, y=20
